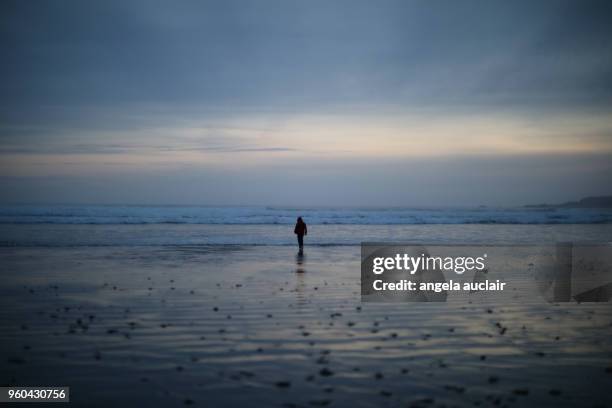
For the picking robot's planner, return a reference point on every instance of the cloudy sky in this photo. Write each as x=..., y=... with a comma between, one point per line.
x=316, y=103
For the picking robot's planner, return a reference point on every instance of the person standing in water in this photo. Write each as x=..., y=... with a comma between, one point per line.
x=300, y=230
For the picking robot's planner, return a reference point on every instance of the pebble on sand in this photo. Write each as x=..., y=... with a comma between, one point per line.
x=326, y=372
x=283, y=384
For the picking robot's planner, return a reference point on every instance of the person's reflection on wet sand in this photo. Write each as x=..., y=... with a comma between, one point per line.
x=300, y=259
x=300, y=284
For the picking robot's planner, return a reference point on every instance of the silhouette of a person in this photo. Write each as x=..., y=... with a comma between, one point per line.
x=300, y=230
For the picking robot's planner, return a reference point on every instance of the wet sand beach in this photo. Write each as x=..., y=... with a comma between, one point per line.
x=238, y=325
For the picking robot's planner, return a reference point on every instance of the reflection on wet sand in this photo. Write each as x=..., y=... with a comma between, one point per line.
x=300, y=285
x=300, y=259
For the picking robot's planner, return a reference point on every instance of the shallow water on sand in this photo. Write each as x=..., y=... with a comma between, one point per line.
x=54, y=235
x=258, y=326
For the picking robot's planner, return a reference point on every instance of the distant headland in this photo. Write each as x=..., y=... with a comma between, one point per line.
x=587, y=202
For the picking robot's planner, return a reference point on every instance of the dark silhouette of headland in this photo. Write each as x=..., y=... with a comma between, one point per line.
x=587, y=202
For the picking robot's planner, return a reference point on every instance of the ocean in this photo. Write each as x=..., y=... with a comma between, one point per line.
x=134, y=215
x=63, y=225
